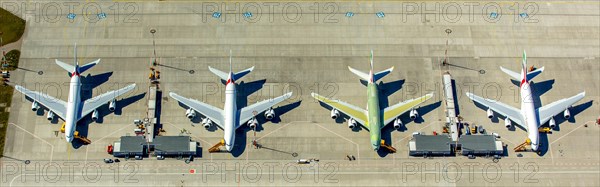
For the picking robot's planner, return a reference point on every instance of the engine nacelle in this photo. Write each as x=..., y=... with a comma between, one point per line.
x=95, y=115
x=351, y=123
x=507, y=122
x=35, y=106
x=269, y=114
x=207, y=123
x=252, y=123
x=190, y=114
x=490, y=113
x=397, y=123
x=567, y=114
x=552, y=123
x=112, y=105
x=335, y=114
x=413, y=114
x=50, y=115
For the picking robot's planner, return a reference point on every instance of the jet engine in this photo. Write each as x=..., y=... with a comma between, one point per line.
x=397, y=123
x=252, y=123
x=413, y=114
x=335, y=114
x=34, y=106
x=507, y=122
x=207, y=123
x=190, y=113
x=552, y=123
x=567, y=114
x=490, y=113
x=95, y=115
x=351, y=123
x=269, y=114
x=50, y=115
x=112, y=105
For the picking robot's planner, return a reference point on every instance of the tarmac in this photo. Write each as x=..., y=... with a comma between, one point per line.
x=303, y=47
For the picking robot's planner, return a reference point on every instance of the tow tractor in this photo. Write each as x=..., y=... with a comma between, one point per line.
x=522, y=147
x=217, y=147
x=83, y=139
x=387, y=147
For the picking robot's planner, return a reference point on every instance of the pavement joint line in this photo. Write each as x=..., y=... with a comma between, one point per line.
x=357, y=146
x=86, y=149
x=280, y=129
x=248, y=153
x=411, y=134
x=51, y=146
x=570, y=132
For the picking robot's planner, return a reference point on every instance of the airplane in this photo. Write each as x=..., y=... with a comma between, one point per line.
x=373, y=118
x=528, y=117
x=231, y=118
x=74, y=109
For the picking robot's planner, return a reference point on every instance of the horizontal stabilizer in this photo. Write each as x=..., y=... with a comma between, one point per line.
x=242, y=73
x=219, y=73
x=88, y=66
x=67, y=67
x=360, y=74
x=382, y=74
x=517, y=76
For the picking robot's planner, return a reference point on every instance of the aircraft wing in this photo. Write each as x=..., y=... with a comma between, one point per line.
x=358, y=114
x=57, y=106
x=548, y=111
x=501, y=108
x=92, y=104
x=249, y=112
x=213, y=113
x=392, y=112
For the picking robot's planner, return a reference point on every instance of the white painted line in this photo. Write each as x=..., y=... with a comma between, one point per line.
x=570, y=132
x=357, y=146
x=51, y=146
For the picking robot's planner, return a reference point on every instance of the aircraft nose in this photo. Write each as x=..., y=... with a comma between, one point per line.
x=534, y=147
x=228, y=147
x=69, y=139
x=375, y=147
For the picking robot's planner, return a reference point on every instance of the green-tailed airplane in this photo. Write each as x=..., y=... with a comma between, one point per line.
x=373, y=118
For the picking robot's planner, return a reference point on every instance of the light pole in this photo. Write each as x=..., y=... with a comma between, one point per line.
x=448, y=31
x=152, y=31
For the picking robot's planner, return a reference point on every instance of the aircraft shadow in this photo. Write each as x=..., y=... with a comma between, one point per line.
x=574, y=111
x=89, y=82
x=83, y=125
x=387, y=89
x=242, y=132
x=496, y=118
x=245, y=89
x=386, y=132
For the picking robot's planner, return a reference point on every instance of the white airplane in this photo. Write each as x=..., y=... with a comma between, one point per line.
x=231, y=118
x=74, y=109
x=528, y=118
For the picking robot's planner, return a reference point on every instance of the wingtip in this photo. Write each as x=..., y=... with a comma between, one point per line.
x=542, y=68
x=287, y=95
